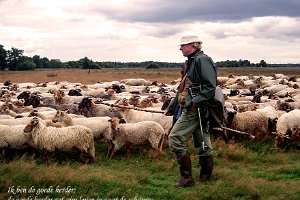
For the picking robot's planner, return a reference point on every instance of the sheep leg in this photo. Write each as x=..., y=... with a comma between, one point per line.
x=110, y=146
x=154, y=153
x=161, y=143
x=47, y=156
x=113, y=153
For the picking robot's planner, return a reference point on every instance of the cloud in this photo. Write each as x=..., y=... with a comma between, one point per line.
x=281, y=28
x=195, y=10
x=139, y=30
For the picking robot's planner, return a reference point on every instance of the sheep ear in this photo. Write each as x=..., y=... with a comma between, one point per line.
x=35, y=121
x=122, y=121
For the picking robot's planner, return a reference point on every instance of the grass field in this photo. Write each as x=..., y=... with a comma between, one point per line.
x=249, y=169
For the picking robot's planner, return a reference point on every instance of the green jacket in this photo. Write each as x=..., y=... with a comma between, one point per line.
x=201, y=70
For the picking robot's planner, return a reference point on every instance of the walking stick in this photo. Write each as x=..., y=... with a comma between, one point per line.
x=199, y=115
x=201, y=130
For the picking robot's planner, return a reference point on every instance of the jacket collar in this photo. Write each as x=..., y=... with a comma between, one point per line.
x=192, y=56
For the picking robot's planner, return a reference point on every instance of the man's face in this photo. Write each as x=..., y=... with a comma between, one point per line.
x=187, y=49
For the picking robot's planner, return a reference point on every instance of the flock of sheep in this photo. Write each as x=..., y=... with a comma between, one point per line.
x=63, y=116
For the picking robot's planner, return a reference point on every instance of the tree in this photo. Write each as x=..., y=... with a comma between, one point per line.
x=38, y=61
x=55, y=63
x=152, y=66
x=3, y=55
x=262, y=63
x=45, y=62
x=26, y=65
x=86, y=63
x=14, y=57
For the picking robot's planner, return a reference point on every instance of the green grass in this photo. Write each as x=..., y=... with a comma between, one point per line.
x=240, y=172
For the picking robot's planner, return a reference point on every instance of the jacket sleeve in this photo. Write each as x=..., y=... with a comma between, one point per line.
x=208, y=78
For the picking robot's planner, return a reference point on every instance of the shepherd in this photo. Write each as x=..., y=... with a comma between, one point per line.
x=190, y=106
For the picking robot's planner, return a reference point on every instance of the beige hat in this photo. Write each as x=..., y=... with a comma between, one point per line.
x=190, y=39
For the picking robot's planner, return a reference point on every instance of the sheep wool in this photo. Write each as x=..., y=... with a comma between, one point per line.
x=13, y=137
x=288, y=121
x=99, y=125
x=252, y=122
x=64, y=139
x=136, y=134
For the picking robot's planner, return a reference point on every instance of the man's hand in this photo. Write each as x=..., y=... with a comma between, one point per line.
x=194, y=107
x=167, y=113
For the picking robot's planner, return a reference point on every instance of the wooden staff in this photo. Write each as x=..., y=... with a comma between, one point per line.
x=233, y=130
x=130, y=107
x=158, y=111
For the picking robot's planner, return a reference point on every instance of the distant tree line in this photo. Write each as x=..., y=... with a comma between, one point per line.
x=14, y=60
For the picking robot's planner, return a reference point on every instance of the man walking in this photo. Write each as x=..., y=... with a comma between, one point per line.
x=197, y=87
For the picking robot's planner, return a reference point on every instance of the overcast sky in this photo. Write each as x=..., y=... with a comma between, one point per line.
x=150, y=30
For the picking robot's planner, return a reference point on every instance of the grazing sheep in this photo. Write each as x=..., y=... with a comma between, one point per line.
x=273, y=115
x=33, y=100
x=19, y=109
x=285, y=124
x=133, y=116
x=61, y=98
x=136, y=134
x=245, y=107
x=96, y=110
x=17, y=121
x=99, y=125
x=251, y=122
x=136, y=82
x=13, y=137
x=271, y=112
x=274, y=89
x=50, y=139
x=288, y=106
x=134, y=100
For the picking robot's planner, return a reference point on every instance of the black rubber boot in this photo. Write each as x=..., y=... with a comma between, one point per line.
x=184, y=161
x=206, y=164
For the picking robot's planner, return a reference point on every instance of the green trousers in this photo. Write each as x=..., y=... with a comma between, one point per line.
x=188, y=126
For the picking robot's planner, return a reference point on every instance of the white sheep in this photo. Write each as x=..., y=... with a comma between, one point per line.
x=13, y=137
x=136, y=82
x=136, y=134
x=99, y=125
x=90, y=109
x=50, y=139
x=17, y=121
x=285, y=124
x=288, y=106
x=133, y=116
x=252, y=122
x=271, y=112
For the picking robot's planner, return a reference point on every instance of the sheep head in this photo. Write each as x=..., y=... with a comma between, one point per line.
x=122, y=102
x=85, y=103
x=295, y=135
x=59, y=95
x=114, y=122
x=33, y=123
x=281, y=139
x=110, y=91
x=33, y=113
x=230, y=115
x=24, y=95
x=58, y=116
x=147, y=102
x=33, y=100
x=134, y=100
